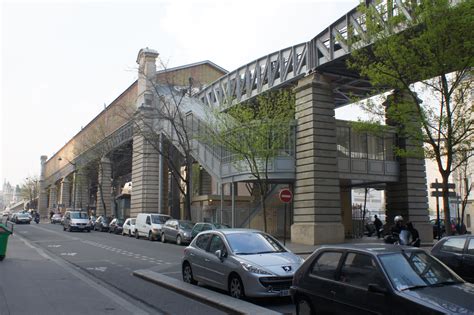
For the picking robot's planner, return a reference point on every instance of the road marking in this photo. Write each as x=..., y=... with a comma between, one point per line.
x=68, y=254
x=54, y=246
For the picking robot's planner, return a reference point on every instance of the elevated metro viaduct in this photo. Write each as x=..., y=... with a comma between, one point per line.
x=323, y=163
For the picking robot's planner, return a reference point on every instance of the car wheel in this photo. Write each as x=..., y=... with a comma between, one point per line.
x=163, y=239
x=178, y=240
x=150, y=236
x=303, y=306
x=129, y=233
x=236, y=288
x=88, y=230
x=188, y=274
x=137, y=236
x=69, y=229
x=64, y=228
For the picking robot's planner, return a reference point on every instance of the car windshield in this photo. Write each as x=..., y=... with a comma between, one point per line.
x=413, y=270
x=132, y=221
x=78, y=215
x=185, y=225
x=250, y=243
x=159, y=219
x=22, y=215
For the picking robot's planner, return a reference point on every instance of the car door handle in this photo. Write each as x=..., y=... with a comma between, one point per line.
x=206, y=260
x=333, y=293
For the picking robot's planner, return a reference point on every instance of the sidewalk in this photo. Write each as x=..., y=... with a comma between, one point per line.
x=32, y=282
x=301, y=249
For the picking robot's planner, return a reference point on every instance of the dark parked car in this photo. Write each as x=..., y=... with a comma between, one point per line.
x=206, y=226
x=457, y=252
x=178, y=231
x=378, y=279
x=101, y=224
x=116, y=226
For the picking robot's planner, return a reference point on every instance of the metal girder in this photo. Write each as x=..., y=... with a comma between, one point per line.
x=284, y=66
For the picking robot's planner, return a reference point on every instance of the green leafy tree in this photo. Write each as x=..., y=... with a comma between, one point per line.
x=427, y=60
x=253, y=133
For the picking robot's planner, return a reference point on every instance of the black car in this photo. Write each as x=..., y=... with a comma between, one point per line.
x=101, y=224
x=457, y=252
x=205, y=226
x=116, y=226
x=378, y=279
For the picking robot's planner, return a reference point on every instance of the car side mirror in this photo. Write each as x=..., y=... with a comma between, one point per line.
x=375, y=288
x=220, y=254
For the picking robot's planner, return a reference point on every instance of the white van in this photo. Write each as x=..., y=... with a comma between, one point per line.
x=149, y=225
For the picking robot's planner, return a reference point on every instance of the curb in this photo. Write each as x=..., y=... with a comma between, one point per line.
x=220, y=301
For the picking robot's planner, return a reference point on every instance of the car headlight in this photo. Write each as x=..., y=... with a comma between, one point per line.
x=248, y=267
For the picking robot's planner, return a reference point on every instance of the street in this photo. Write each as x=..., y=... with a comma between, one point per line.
x=110, y=259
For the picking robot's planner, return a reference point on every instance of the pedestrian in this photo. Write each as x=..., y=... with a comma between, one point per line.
x=51, y=213
x=378, y=226
x=415, y=236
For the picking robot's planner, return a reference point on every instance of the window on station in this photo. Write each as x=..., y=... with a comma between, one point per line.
x=358, y=145
x=375, y=147
x=343, y=142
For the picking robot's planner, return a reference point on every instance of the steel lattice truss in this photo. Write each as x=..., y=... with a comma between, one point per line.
x=287, y=65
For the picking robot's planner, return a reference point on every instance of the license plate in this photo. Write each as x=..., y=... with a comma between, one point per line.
x=285, y=293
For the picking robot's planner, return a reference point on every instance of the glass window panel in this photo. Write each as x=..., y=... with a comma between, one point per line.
x=326, y=265
x=358, y=145
x=343, y=142
x=375, y=147
x=389, y=144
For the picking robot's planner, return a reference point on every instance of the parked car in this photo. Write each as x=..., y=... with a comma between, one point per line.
x=457, y=252
x=378, y=279
x=101, y=224
x=115, y=226
x=149, y=225
x=178, y=231
x=243, y=262
x=129, y=227
x=76, y=220
x=56, y=218
x=20, y=218
x=206, y=226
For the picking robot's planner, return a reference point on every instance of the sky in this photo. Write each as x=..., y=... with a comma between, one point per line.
x=63, y=61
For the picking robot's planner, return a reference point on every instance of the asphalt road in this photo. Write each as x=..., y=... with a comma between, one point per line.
x=111, y=259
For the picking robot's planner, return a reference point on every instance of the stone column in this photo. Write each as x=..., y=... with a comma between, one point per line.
x=81, y=190
x=53, y=197
x=408, y=196
x=104, y=191
x=64, y=193
x=43, y=195
x=317, y=206
x=145, y=158
x=206, y=182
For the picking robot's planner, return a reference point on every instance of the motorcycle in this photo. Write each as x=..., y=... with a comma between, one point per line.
x=37, y=219
x=404, y=238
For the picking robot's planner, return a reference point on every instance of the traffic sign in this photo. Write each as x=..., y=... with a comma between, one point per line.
x=451, y=194
x=440, y=185
x=285, y=195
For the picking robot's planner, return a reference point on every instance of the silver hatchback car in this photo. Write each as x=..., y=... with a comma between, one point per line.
x=244, y=262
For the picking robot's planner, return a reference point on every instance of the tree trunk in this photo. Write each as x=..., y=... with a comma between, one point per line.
x=264, y=208
x=187, y=196
x=447, y=214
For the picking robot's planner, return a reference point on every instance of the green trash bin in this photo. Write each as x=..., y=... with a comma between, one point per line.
x=4, y=234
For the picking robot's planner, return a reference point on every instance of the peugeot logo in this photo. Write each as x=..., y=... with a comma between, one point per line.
x=287, y=268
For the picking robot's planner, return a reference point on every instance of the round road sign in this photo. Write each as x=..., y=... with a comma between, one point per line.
x=285, y=195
